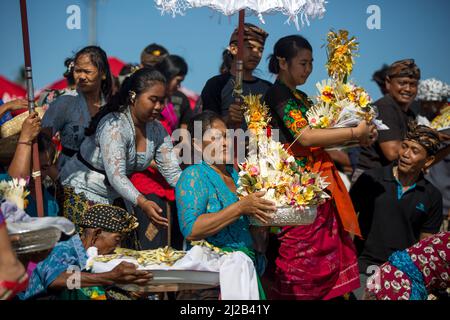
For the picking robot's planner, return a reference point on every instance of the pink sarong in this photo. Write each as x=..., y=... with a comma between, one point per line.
x=316, y=261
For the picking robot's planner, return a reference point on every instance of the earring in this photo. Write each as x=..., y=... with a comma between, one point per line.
x=132, y=96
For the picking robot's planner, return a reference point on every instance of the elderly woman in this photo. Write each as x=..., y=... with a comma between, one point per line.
x=207, y=203
x=104, y=227
x=124, y=137
x=71, y=113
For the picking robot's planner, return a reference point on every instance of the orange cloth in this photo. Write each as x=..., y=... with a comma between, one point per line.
x=321, y=162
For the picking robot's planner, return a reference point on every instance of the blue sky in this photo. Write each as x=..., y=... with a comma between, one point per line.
x=409, y=29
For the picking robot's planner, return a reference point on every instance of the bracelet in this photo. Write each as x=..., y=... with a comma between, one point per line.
x=28, y=143
x=35, y=174
x=353, y=136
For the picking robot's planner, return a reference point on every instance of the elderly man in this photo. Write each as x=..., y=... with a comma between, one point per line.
x=397, y=206
x=394, y=110
x=103, y=227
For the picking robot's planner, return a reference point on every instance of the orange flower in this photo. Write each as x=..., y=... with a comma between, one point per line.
x=256, y=116
x=296, y=114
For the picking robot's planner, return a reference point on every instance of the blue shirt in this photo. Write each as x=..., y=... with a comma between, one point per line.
x=70, y=253
x=201, y=190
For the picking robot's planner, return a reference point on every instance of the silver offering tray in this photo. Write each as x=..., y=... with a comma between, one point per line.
x=288, y=216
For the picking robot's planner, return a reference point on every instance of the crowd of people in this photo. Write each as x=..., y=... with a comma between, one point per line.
x=108, y=147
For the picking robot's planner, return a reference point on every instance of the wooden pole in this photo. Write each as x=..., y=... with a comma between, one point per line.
x=240, y=58
x=36, y=173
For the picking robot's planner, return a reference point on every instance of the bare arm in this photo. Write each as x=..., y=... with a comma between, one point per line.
x=20, y=166
x=425, y=235
x=87, y=280
x=341, y=158
x=363, y=133
x=209, y=224
x=390, y=149
x=13, y=105
x=125, y=273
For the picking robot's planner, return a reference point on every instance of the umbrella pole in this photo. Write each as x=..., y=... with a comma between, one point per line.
x=240, y=58
x=36, y=173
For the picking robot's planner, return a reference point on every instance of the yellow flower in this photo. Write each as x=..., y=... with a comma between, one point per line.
x=351, y=96
x=327, y=94
x=364, y=99
x=325, y=121
x=300, y=200
x=347, y=88
x=309, y=194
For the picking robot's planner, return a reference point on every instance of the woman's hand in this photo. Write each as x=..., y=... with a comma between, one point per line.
x=256, y=206
x=127, y=273
x=153, y=211
x=16, y=105
x=365, y=133
x=30, y=128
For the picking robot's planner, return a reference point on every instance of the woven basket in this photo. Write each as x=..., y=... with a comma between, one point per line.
x=14, y=126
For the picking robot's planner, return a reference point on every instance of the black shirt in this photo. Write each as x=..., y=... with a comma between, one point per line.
x=391, y=219
x=276, y=98
x=396, y=119
x=182, y=107
x=217, y=95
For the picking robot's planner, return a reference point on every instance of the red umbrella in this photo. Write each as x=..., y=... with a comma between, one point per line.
x=10, y=90
x=58, y=85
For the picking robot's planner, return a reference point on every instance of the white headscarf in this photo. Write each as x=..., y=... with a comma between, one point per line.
x=433, y=90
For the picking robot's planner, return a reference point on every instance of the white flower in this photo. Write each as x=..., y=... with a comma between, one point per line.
x=396, y=285
x=405, y=296
x=428, y=250
x=406, y=284
x=436, y=241
x=398, y=274
x=423, y=259
x=432, y=265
